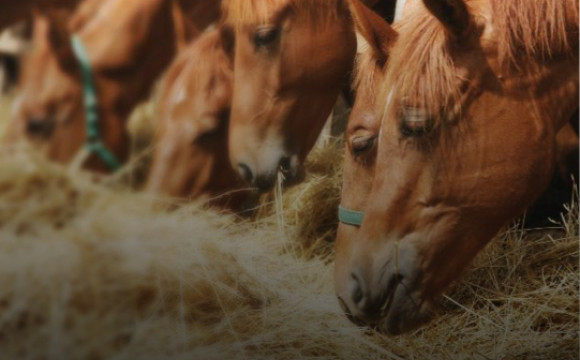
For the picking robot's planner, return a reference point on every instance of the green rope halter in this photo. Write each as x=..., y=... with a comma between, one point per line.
x=350, y=217
x=93, y=143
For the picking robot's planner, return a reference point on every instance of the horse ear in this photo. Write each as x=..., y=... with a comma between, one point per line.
x=58, y=37
x=376, y=32
x=453, y=14
x=185, y=29
x=84, y=13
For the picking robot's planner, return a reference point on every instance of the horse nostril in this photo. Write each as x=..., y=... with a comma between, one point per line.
x=285, y=164
x=357, y=289
x=357, y=294
x=245, y=172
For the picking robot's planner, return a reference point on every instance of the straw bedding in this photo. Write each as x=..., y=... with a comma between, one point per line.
x=92, y=270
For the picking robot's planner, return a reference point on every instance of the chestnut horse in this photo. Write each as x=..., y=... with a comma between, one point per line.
x=467, y=141
x=191, y=148
x=374, y=37
x=80, y=93
x=291, y=57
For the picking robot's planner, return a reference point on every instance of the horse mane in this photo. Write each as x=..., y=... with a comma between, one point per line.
x=204, y=56
x=367, y=70
x=251, y=12
x=208, y=56
x=535, y=29
x=421, y=69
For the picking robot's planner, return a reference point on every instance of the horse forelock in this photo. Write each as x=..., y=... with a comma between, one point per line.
x=210, y=58
x=194, y=69
x=367, y=70
x=421, y=70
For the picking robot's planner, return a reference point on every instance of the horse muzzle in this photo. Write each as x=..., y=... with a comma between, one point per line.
x=394, y=309
x=383, y=290
x=284, y=168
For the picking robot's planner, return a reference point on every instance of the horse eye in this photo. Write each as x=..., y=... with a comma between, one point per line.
x=40, y=126
x=207, y=138
x=362, y=144
x=415, y=122
x=410, y=129
x=214, y=126
x=210, y=134
x=266, y=36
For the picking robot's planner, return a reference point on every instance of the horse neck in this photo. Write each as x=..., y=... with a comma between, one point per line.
x=555, y=90
x=114, y=134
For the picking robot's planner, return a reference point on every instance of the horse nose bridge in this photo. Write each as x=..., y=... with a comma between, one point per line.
x=257, y=157
x=359, y=287
x=392, y=208
x=383, y=219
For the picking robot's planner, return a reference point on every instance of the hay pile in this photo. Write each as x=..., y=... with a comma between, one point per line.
x=91, y=270
x=307, y=213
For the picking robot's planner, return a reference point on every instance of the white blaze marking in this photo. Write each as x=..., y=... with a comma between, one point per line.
x=399, y=9
x=385, y=111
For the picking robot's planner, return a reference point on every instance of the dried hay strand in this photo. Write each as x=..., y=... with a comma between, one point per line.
x=308, y=211
x=5, y=113
x=93, y=270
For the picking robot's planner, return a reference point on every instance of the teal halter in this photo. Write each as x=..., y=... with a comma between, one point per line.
x=350, y=217
x=94, y=144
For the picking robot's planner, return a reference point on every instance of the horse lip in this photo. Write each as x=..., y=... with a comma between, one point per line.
x=390, y=291
x=385, y=307
x=404, y=312
x=349, y=315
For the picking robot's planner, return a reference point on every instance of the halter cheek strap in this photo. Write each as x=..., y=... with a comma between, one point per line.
x=94, y=144
x=350, y=217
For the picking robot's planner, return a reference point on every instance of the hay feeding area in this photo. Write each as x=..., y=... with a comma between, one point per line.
x=90, y=269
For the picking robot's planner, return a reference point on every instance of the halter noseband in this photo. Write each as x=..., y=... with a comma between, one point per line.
x=93, y=143
x=350, y=217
